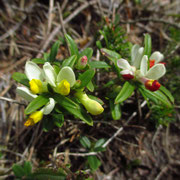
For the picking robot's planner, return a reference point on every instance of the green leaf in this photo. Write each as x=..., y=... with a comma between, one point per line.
x=86, y=143
x=86, y=52
x=125, y=92
x=167, y=93
x=72, y=45
x=111, y=55
x=58, y=119
x=21, y=78
x=73, y=108
x=54, y=51
x=98, y=64
x=18, y=170
x=86, y=77
x=154, y=96
x=37, y=103
x=70, y=61
x=46, y=56
x=98, y=44
x=38, y=61
x=90, y=86
x=49, y=174
x=105, y=37
x=147, y=45
x=98, y=146
x=27, y=168
x=94, y=162
x=115, y=110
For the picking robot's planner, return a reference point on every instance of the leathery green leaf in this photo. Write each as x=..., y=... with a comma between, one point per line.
x=37, y=103
x=72, y=45
x=115, y=110
x=21, y=78
x=147, y=45
x=73, y=108
x=167, y=93
x=86, y=143
x=86, y=52
x=70, y=61
x=54, y=51
x=156, y=95
x=98, y=64
x=38, y=61
x=94, y=162
x=86, y=77
x=125, y=92
x=111, y=55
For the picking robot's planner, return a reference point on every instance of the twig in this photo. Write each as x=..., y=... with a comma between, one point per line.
x=151, y=19
x=11, y=100
x=158, y=177
x=100, y=8
x=68, y=19
x=50, y=16
x=12, y=152
x=154, y=138
x=62, y=25
x=77, y=154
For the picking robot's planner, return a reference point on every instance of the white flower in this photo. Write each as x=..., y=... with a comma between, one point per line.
x=128, y=71
x=25, y=93
x=33, y=71
x=150, y=76
x=61, y=82
x=136, y=55
x=155, y=72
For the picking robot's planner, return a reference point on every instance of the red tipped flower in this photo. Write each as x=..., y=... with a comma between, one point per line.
x=127, y=77
x=152, y=85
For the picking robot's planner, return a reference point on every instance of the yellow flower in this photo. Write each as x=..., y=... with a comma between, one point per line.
x=64, y=87
x=34, y=118
x=36, y=86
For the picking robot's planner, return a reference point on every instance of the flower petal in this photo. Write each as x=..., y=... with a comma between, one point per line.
x=123, y=64
x=49, y=106
x=157, y=56
x=25, y=93
x=127, y=72
x=33, y=71
x=138, y=57
x=66, y=73
x=156, y=72
x=50, y=74
x=144, y=65
x=134, y=51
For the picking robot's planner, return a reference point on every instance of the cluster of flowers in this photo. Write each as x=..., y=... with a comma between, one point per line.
x=142, y=69
x=61, y=83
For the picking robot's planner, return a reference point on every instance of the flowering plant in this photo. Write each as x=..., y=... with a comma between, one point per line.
x=141, y=73
x=54, y=90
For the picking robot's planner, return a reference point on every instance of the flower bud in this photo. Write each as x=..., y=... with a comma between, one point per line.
x=34, y=118
x=91, y=106
x=82, y=62
x=152, y=85
x=63, y=88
